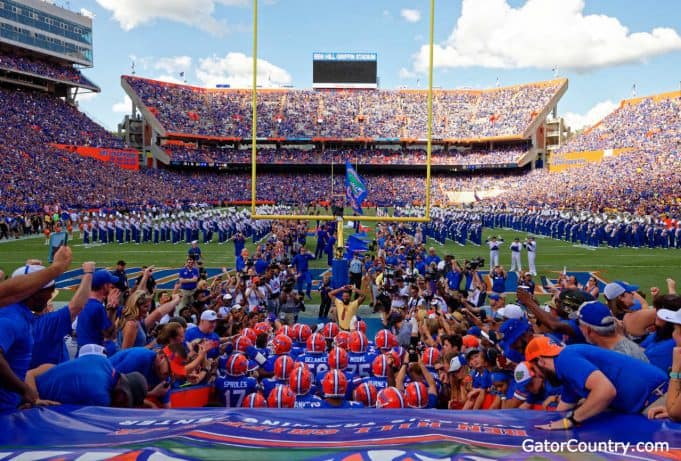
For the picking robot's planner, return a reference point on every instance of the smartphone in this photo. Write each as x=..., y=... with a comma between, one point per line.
x=413, y=356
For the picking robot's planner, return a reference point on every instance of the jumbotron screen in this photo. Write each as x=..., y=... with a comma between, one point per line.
x=340, y=69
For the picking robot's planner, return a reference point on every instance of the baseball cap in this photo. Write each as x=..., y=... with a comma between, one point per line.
x=134, y=385
x=618, y=288
x=236, y=307
x=475, y=331
x=456, y=363
x=226, y=297
x=101, y=277
x=29, y=269
x=91, y=349
x=209, y=316
x=494, y=296
x=542, y=346
x=596, y=314
x=522, y=374
x=512, y=330
x=470, y=341
x=670, y=316
x=511, y=311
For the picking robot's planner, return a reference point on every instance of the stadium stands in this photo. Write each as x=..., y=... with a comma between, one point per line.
x=507, y=155
x=40, y=68
x=458, y=114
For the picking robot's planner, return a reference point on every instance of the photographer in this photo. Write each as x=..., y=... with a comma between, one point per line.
x=290, y=303
x=256, y=293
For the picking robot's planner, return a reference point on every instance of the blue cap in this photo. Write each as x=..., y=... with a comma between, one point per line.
x=513, y=330
x=475, y=331
x=494, y=296
x=102, y=277
x=596, y=314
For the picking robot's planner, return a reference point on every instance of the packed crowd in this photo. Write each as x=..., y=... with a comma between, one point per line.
x=649, y=124
x=345, y=114
x=503, y=155
x=42, y=68
x=448, y=341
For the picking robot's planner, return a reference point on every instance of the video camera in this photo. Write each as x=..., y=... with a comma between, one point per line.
x=475, y=263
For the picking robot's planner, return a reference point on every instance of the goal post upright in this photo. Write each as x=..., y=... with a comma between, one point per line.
x=340, y=219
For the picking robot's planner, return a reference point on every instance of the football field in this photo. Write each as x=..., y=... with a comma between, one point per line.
x=644, y=267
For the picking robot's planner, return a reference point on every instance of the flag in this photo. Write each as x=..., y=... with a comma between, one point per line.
x=355, y=189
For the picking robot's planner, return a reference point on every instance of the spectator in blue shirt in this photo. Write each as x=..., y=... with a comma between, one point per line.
x=18, y=288
x=603, y=378
x=189, y=278
x=154, y=365
x=16, y=341
x=96, y=321
x=87, y=380
x=194, y=252
x=50, y=328
x=300, y=262
x=205, y=332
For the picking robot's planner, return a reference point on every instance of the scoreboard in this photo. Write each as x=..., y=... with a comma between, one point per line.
x=344, y=70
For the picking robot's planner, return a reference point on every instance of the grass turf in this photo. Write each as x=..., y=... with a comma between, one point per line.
x=644, y=267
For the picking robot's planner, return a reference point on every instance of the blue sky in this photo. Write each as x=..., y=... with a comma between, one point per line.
x=604, y=47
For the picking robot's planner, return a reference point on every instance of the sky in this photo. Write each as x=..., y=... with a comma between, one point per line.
x=608, y=49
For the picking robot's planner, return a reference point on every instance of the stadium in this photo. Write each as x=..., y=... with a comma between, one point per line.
x=262, y=270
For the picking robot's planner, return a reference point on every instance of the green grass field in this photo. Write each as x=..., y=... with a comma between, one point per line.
x=643, y=267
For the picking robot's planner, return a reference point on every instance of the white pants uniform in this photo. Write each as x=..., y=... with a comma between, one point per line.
x=493, y=254
x=531, y=254
x=516, y=265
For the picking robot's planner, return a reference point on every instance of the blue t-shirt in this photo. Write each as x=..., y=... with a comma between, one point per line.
x=498, y=283
x=659, y=353
x=633, y=379
x=578, y=337
x=137, y=359
x=48, y=333
x=92, y=321
x=86, y=380
x=481, y=379
x=186, y=273
x=268, y=384
x=16, y=342
x=232, y=389
x=194, y=333
x=140, y=337
x=454, y=280
x=300, y=261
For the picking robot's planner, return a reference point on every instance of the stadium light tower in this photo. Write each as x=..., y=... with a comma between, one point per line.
x=339, y=219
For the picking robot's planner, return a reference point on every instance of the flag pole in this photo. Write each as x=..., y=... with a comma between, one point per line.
x=254, y=122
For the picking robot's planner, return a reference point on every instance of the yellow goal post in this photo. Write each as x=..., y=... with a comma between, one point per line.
x=303, y=217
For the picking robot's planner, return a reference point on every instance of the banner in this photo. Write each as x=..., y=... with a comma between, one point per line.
x=355, y=189
x=365, y=434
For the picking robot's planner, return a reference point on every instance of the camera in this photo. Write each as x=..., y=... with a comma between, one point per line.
x=475, y=263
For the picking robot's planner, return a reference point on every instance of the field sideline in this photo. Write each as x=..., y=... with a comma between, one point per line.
x=644, y=267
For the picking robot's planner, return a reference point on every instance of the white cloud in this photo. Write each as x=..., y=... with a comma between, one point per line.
x=123, y=107
x=543, y=34
x=197, y=13
x=406, y=73
x=86, y=97
x=593, y=116
x=87, y=13
x=410, y=15
x=174, y=64
x=236, y=69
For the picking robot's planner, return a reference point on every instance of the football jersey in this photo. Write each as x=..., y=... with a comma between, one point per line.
x=344, y=405
x=270, y=383
x=360, y=364
x=379, y=382
x=317, y=363
x=232, y=389
x=308, y=400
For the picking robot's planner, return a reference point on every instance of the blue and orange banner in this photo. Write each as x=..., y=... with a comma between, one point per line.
x=278, y=434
